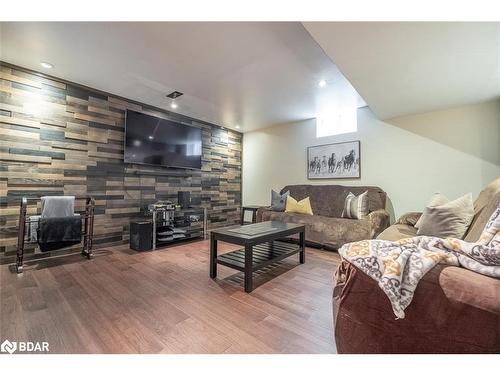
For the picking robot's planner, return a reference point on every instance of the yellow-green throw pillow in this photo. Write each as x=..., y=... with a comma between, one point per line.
x=301, y=207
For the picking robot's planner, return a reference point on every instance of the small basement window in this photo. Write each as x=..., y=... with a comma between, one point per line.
x=339, y=121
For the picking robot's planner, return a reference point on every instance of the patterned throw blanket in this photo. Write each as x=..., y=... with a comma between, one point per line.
x=398, y=266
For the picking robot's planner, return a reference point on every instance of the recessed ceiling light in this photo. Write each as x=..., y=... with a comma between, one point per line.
x=237, y=126
x=322, y=83
x=150, y=137
x=46, y=65
x=174, y=95
x=173, y=105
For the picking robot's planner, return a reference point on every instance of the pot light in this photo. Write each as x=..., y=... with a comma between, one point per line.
x=46, y=65
x=150, y=137
x=322, y=83
x=237, y=126
x=174, y=95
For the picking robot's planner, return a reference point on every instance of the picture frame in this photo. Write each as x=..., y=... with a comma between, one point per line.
x=334, y=161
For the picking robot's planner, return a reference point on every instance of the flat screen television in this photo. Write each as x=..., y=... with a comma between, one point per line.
x=157, y=141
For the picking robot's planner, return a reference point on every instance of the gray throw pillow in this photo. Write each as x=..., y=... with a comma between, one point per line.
x=451, y=219
x=278, y=201
x=356, y=207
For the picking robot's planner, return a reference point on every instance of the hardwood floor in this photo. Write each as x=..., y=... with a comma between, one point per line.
x=164, y=302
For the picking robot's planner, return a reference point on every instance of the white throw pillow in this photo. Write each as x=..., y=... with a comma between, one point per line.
x=451, y=219
x=437, y=199
x=356, y=207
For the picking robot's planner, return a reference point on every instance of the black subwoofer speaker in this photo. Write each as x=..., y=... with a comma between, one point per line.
x=184, y=198
x=141, y=235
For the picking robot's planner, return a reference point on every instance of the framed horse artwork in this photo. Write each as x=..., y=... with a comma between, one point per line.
x=335, y=160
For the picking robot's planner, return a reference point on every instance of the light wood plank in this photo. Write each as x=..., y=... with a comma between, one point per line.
x=24, y=81
x=25, y=158
x=19, y=121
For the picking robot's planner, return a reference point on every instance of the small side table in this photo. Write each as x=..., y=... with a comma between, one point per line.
x=253, y=210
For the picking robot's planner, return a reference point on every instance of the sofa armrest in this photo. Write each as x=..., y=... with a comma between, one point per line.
x=457, y=309
x=409, y=218
x=379, y=221
x=260, y=211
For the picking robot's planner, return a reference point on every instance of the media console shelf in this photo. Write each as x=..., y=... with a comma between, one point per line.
x=178, y=225
x=162, y=227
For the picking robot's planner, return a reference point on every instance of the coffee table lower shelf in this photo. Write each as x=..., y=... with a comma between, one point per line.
x=262, y=255
x=264, y=244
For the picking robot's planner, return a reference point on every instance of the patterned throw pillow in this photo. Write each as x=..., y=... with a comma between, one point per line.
x=356, y=207
x=301, y=207
x=278, y=202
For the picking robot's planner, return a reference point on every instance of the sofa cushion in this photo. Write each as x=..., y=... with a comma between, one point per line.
x=313, y=235
x=484, y=206
x=324, y=231
x=339, y=231
x=328, y=200
x=397, y=232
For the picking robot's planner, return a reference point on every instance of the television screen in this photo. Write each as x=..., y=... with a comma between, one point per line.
x=156, y=141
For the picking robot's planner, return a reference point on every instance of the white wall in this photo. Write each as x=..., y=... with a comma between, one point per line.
x=453, y=151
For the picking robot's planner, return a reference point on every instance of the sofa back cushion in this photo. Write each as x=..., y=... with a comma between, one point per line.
x=328, y=200
x=484, y=206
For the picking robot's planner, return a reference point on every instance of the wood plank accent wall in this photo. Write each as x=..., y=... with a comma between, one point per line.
x=61, y=138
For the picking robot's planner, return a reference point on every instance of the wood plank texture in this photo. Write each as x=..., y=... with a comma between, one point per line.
x=165, y=302
x=59, y=138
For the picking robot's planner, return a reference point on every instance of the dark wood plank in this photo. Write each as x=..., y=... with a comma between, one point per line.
x=76, y=148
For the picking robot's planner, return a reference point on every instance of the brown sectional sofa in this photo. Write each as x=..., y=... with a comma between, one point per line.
x=454, y=310
x=326, y=228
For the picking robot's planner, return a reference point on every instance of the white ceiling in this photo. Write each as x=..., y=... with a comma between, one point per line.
x=248, y=74
x=404, y=68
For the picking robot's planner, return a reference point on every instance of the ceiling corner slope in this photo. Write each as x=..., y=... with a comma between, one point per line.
x=402, y=68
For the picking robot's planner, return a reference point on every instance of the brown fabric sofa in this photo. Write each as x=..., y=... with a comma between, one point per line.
x=326, y=228
x=454, y=310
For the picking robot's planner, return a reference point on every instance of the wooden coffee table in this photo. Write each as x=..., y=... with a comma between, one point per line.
x=261, y=247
